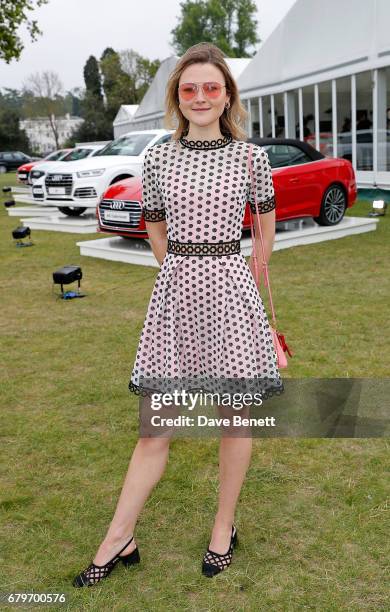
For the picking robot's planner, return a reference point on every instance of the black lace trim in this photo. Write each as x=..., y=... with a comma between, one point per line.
x=154, y=215
x=206, y=144
x=204, y=248
x=263, y=207
x=146, y=392
x=140, y=390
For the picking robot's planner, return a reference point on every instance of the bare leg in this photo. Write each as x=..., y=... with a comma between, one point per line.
x=234, y=460
x=146, y=467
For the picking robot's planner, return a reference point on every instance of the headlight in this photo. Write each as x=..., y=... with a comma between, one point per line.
x=87, y=173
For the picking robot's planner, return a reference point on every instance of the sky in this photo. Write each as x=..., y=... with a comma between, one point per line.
x=75, y=29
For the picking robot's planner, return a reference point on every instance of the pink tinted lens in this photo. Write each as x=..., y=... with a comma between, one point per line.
x=212, y=90
x=187, y=90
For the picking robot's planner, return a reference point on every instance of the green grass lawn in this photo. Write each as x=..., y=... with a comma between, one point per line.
x=312, y=513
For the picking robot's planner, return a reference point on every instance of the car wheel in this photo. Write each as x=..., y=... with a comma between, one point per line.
x=72, y=211
x=3, y=169
x=333, y=206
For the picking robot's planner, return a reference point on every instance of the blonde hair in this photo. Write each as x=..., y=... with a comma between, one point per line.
x=232, y=119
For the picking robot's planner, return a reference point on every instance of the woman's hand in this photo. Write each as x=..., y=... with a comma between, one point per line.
x=267, y=221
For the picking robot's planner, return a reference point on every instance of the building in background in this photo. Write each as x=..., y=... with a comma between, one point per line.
x=40, y=133
x=123, y=120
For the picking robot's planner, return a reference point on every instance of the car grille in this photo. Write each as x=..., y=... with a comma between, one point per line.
x=60, y=180
x=132, y=207
x=85, y=192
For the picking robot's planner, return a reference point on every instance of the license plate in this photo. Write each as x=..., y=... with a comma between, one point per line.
x=22, y=175
x=57, y=190
x=116, y=215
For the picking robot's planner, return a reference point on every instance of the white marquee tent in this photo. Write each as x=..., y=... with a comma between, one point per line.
x=324, y=75
x=123, y=120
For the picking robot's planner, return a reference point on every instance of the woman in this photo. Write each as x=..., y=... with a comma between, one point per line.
x=205, y=317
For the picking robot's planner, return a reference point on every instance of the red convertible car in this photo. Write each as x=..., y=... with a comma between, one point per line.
x=24, y=170
x=307, y=184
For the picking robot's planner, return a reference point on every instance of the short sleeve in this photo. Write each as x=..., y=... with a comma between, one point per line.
x=152, y=198
x=263, y=183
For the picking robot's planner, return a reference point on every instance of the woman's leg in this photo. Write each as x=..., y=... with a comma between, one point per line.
x=146, y=467
x=234, y=460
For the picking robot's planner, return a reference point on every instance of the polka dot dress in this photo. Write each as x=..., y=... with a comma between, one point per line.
x=205, y=321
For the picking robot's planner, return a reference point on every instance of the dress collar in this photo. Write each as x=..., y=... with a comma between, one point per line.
x=206, y=144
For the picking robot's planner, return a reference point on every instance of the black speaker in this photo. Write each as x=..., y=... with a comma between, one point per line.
x=21, y=232
x=66, y=275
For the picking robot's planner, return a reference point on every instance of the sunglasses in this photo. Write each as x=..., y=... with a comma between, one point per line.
x=211, y=90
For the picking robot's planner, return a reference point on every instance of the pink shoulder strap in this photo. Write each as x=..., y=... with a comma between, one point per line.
x=254, y=255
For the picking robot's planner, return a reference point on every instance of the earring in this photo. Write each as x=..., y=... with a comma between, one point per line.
x=227, y=105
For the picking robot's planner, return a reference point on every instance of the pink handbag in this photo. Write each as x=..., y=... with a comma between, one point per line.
x=277, y=337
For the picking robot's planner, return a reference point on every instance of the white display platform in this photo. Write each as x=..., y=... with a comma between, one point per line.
x=24, y=199
x=58, y=222
x=115, y=248
x=23, y=194
x=288, y=234
x=30, y=211
x=306, y=231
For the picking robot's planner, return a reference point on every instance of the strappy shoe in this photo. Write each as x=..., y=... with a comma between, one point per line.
x=214, y=562
x=94, y=573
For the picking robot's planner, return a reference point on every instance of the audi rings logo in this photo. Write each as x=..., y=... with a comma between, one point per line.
x=117, y=205
x=56, y=177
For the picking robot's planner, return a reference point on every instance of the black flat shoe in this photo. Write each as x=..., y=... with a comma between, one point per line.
x=214, y=562
x=94, y=573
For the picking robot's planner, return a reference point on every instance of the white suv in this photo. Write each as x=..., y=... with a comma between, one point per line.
x=75, y=154
x=73, y=187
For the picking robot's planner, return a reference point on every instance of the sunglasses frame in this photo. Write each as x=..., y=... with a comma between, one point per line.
x=197, y=88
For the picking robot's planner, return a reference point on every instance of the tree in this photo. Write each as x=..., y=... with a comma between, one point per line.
x=72, y=101
x=246, y=28
x=11, y=136
x=11, y=99
x=46, y=100
x=230, y=25
x=13, y=14
x=111, y=69
x=124, y=77
x=96, y=125
x=140, y=71
x=117, y=85
x=92, y=78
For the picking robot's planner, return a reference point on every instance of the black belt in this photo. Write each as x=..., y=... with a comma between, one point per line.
x=203, y=248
